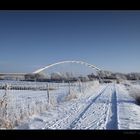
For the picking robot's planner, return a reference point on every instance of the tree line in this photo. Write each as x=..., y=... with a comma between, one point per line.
x=90, y=77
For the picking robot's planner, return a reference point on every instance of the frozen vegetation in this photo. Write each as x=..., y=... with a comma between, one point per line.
x=78, y=105
x=133, y=88
x=19, y=105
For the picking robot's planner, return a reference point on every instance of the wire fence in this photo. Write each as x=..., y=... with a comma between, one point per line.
x=19, y=101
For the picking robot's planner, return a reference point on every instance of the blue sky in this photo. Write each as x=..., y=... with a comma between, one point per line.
x=32, y=39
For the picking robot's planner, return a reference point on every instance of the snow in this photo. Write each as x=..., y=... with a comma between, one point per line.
x=87, y=106
x=128, y=110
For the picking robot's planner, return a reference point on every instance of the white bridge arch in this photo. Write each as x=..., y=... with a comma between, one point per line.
x=61, y=62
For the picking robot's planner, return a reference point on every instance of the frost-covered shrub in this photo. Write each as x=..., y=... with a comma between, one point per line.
x=14, y=110
x=72, y=95
x=136, y=95
x=134, y=92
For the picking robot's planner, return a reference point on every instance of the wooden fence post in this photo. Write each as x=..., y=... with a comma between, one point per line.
x=48, y=93
x=80, y=86
x=69, y=88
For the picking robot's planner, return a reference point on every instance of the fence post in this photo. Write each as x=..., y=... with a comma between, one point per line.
x=5, y=101
x=69, y=88
x=80, y=90
x=84, y=86
x=48, y=93
x=58, y=85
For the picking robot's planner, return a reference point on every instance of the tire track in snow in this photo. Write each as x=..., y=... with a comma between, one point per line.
x=99, y=113
x=72, y=125
x=113, y=123
x=67, y=121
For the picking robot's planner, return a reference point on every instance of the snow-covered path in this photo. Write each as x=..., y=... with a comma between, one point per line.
x=128, y=110
x=109, y=107
x=100, y=114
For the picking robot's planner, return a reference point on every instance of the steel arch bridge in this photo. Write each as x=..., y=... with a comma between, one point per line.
x=61, y=62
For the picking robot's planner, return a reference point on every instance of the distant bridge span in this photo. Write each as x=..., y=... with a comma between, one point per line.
x=51, y=65
x=61, y=62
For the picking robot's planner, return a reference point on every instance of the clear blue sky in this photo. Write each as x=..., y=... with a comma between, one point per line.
x=32, y=39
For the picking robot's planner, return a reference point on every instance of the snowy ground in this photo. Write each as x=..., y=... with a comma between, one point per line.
x=128, y=110
x=107, y=106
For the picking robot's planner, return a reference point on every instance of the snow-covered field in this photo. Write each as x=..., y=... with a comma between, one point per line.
x=76, y=106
